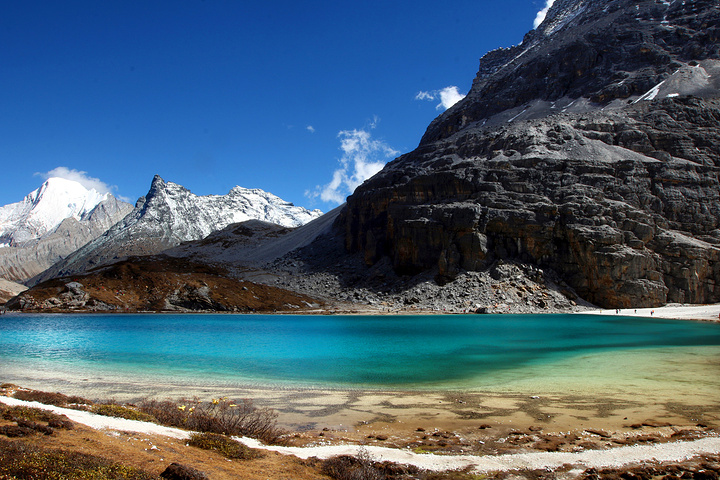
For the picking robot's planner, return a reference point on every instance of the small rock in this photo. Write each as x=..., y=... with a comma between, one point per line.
x=176, y=471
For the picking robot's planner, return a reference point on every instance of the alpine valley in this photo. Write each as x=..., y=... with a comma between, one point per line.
x=583, y=168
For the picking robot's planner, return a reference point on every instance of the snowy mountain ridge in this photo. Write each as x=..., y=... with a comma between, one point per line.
x=44, y=209
x=193, y=217
x=171, y=214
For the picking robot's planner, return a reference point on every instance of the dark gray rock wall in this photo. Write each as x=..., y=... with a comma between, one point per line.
x=602, y=50
x=592, y=149
x=622, y=202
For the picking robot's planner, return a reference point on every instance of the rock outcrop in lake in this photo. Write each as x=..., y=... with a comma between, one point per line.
x=592, y=150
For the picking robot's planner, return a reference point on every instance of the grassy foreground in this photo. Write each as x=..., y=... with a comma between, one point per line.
x=37, y=444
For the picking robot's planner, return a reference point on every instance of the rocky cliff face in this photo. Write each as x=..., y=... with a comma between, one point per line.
x=592, y=149
x=170, y=214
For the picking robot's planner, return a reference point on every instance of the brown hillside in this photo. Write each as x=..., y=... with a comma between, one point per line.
x=157, y=284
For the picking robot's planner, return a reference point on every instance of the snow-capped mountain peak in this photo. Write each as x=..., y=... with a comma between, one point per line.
x=191, y=217
x=170, y=214
x=42, y=210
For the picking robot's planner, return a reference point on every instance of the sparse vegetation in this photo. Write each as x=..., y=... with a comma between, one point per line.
x=27, y=420
x=224, y=445
x=220, y=415
x=48, y=398
x=346, y=467
x=122, y=411
x=21, y=461
x=34, y=415
x=217, y=416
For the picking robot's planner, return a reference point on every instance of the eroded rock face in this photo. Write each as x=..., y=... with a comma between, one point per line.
x=591, y=149
x=597, y=50
x=623, y=205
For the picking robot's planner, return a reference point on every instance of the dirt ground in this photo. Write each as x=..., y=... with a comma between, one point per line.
x=154, y=453
x=439, y=423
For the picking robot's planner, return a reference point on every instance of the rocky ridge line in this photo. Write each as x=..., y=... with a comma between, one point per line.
x=619, y=195
x=169, y=215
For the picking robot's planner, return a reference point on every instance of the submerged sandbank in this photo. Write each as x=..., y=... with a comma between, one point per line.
x=607, y=391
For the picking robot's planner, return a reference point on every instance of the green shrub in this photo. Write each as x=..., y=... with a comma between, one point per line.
x=22, y=461
x=222, y=444
x=121, y=411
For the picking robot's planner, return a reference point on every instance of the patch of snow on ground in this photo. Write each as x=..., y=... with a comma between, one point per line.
x=651, y=94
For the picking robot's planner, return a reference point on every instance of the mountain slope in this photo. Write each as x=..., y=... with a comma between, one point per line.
x=591, y=54
x=169, y=215
x=9, y=289
x=52, y=222
x=43, y=210
x=592, y=150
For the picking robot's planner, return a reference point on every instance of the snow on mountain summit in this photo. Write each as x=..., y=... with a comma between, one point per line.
x=42, y=210
x=170, y=214
x=197, y=216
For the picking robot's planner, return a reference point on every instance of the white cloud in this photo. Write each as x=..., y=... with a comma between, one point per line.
x=83, y=179
x=362, y=158
x=448, y=96
x=425, y=96
x=310, y=129
x=540, y=17
x=78, y=176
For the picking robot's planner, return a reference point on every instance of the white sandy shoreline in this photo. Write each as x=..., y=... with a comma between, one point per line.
x=611, y=458
x=674, y=311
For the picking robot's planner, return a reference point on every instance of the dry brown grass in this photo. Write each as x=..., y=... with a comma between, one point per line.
x=24, y=461
x=220, y=416
x=143, y=284
x=46, y=398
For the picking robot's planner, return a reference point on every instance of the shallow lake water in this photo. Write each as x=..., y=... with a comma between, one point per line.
x=562, y=353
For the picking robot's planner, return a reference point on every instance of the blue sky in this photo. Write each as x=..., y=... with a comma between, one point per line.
x=301, y=99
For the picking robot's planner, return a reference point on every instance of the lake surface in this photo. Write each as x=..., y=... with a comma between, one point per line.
x=401, y=352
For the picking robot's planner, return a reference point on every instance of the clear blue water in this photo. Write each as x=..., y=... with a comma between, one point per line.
x=341, y=351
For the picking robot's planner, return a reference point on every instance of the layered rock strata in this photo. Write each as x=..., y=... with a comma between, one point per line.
x=618, y=191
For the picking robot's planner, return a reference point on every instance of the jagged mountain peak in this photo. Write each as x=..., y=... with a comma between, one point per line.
x=588, y=55
x=170, y=214
x=590, y=151
x=205, y=212
x=50, y=223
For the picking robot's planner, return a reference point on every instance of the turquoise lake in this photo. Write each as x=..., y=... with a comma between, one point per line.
x=402, y=352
